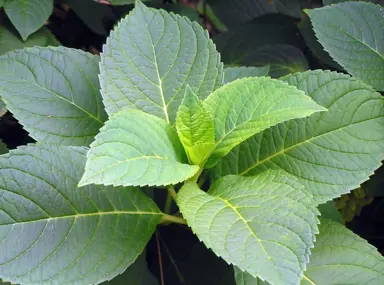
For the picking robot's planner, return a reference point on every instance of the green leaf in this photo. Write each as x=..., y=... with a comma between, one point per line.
x=3, y=148
x=136, y=274
x=264, y=224
x=1, y=3
x=28, y=16
x=248, y=106
x=342, y=257
x=316, y=48
x=244, y=278
x=353, y=34
x=149, y=59
x=329, y=2
x=339, y=257
x=180, y=9
x=122, y=2
x=3, y=108
x=233, y=73
x=98, y=18
x=135, y=148
x=55, y=233
x=9, y=40
x=54, y=93
x=241, y=42
x=195, y=128
x=331, y=152
x=234, y=13
x=329, y=211
x=283, y=59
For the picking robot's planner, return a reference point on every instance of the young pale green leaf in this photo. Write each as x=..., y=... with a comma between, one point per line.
x=28, y=16
x=353, y=34
x=248, y=106
x=55, y=233
x=331, y=152
x=233, y=73
x=138, y=149
x=54, y=93
x=342, y=257
x=149, y=59
x=136, y=274
x=195, y=128
x=264, y=224
x=10, y=40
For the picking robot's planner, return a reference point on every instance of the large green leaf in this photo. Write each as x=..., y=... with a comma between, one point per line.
x=264, y=224
x=136, y=148
x=55, y=233
x=342, y=257
x=54, y=93
x=195, y=128
x=136, y=274
x=233, y=73
x=149, y=59
x=353, y=34
x=331, y=152
x=28, y=16
x=248, y=106
x=339, y=257
x=9, y=40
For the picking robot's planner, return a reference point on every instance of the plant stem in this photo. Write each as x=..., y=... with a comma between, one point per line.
x=168, y=204
x=160, y=259
x=168, y=252
x=197, y=175
x=172, y=219
x=172, y=192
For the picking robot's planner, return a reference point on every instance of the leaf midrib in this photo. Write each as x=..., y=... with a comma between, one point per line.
x=56, y=94
x=77, y=216
x=298, y=145
x=165, y=106
x=249, y=228
x=131, y=159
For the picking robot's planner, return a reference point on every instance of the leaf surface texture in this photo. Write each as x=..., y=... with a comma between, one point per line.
x=52, y=232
